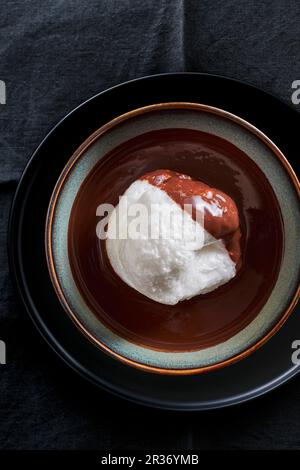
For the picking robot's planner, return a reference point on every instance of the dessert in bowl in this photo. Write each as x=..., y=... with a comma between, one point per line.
x=169, y=304
x=186, y=242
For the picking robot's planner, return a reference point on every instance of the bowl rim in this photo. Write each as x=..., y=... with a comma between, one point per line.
x=51, y=212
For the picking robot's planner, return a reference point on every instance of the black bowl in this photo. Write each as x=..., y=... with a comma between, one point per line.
x=261, y=372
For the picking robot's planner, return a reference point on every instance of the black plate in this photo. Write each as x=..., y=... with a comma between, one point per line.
x=262, y=371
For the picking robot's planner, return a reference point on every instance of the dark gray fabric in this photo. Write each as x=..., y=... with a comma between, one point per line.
x=54, y=55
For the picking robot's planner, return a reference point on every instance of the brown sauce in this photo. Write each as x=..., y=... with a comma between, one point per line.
x=204, y=320
x=221, y=216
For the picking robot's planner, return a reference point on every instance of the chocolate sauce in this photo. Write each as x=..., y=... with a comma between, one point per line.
x=221, y=217
x=205, y=320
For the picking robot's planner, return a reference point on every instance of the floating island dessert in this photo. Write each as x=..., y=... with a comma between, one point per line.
x=191, y=245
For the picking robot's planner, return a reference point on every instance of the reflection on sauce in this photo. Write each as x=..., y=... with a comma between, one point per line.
x=221, y=217
x=204, y=320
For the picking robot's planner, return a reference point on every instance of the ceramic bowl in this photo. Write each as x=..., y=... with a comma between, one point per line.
x=258, y=148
